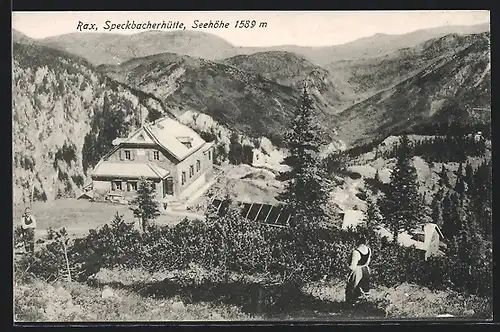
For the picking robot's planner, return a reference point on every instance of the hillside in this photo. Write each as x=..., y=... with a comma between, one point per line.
x=246, y=102
x=381, y=44
x=291, y=70
x=364, y=77
x=21, y=38
x=65, y=115
x=446, y=89
x=107, y=48
x=344, y=83
x=101, y=48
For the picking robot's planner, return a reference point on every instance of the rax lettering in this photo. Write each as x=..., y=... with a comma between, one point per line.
x=86, y=26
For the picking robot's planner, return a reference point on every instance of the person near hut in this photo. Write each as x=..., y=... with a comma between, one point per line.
x=28, y=225
x=358, y=282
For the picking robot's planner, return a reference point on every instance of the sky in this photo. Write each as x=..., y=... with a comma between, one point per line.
x=305, y=28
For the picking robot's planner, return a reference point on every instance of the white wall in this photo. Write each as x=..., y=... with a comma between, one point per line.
x=101, y=186
x=198, y=183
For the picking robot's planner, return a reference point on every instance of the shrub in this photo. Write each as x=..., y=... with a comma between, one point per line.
x=171, y=248
x=48, y=263
x=111, y=246
x=232, y=244
x=393, y=265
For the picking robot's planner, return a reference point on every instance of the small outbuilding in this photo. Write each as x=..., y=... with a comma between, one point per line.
x=87, y=195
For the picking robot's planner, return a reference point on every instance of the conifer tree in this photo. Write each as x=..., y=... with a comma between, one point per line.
x=460, y=185
x=247, y=154
x=450, y=215
x=373, y=219
x=144, y=205
x=437, y=210
x=401, y=207
x=469, y=179
x=377, y=176
x=443, y=177
x=220, y=154
x=235, y=155
x=307, y=190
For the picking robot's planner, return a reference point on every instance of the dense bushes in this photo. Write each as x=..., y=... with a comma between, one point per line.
x=227, y=244
x=394, y=265
x=232, y=244
x=114, y=245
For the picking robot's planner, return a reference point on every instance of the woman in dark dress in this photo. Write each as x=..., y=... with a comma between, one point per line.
x=358, y=282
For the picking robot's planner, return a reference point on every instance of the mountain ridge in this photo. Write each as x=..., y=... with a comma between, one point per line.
x=452, y=85
x=245, y=101
x=104, y=48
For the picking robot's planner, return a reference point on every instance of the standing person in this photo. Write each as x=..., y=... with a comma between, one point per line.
x=358, y=282
x=28, y=224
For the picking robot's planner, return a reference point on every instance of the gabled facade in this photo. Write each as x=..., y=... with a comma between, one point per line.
x=171, y=155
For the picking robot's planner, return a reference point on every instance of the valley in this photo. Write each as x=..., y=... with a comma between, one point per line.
x=358, y=100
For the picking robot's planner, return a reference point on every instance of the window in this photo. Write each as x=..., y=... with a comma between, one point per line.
x=191, y=171
x=186, y=141
x=183, y=178
x=156, y=155
x=127, y=155
x=209, y=155
x=116, y=185
x=132, y=186
x=169, y=186
x=198, y=165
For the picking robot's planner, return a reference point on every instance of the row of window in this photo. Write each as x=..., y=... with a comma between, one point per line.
x=118, y=185
x=128, y=155
x=191, y=171
x=129, y=186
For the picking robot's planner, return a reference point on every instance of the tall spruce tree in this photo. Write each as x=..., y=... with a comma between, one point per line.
x=460, y=183
x=144, y=205
x=372, y=219
x=307, y=189
x=451, y=225
x=401, y=207
x=437, y=208
x=235, y=155
x=444, y=181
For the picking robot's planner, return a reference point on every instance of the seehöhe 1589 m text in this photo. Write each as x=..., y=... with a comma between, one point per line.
x=168, y=25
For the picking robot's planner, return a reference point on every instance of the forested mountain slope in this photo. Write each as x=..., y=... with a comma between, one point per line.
x=448, y=89
x=243, y=101
x=65, y=116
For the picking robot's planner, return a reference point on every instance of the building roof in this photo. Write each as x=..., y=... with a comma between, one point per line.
x=86, y=195
x=171, y=135
x=129, y=170
x=207, y=146
x=176, y=138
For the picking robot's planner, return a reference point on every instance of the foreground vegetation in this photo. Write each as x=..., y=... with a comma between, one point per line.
x=38, y=300
x=226, y=250
x=229, y=260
